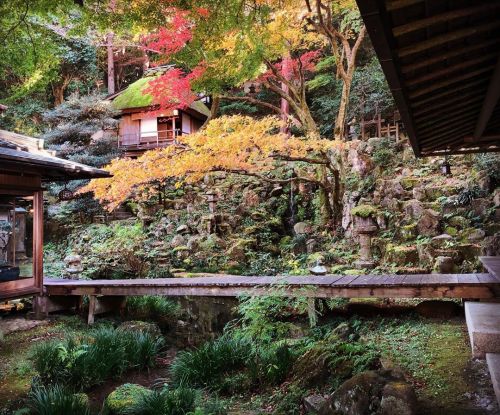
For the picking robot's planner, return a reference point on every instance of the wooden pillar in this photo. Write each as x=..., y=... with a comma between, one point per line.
x=38, y=239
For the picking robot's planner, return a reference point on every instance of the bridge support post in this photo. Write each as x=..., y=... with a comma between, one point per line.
x=103, y=304
x=44, y=304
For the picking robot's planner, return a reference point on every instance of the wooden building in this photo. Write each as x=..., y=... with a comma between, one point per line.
x=24, y=168
x=143, y=127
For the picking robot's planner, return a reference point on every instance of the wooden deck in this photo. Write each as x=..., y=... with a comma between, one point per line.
x=479, y=286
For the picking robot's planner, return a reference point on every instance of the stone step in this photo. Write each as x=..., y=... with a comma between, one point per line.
x=493, y=360
x=483, y=324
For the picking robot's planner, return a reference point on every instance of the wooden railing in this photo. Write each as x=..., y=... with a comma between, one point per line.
x=148, y=139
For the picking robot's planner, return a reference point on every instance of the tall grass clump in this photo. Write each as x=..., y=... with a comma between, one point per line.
x=152, y=307
x=208, y=365
x=55, y=400
x=89, y=360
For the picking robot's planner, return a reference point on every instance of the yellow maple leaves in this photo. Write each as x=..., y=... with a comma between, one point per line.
x=231, y=143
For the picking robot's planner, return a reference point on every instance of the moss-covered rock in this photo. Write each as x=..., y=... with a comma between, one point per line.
x=364, y=211
x=123, y=397
x=408, y=232
x=459, y=222
x=409, y=183
x=401, y=255
x=383, y=389
x=451, y=230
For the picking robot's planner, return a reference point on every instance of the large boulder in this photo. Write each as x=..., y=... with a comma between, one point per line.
x=250, y=198
x=302, y=228
x=382, y=392
x=361, y=163
x=428, y=223
x=475, y=235
x=314, y=403
x=401, y=255
x=413, y=209
x=444, y=265
x=177, y=240
x=480, y=206
x=491, y=245
x=440, y=241
x=182, y=229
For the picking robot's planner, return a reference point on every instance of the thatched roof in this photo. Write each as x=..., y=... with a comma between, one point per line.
x=134, y=97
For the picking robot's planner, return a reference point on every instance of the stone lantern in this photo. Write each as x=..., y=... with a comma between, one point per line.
x=212, y=199
x=365, y=227
x=74, y=267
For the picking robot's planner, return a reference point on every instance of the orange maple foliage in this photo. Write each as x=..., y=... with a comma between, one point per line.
x=236, y=144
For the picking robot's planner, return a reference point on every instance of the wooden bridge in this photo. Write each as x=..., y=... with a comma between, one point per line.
x=482, y=285
x=108, y=294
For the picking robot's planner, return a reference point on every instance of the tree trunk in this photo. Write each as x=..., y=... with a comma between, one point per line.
x=325, y=211
x=339, y=130
x=111, y=63
x=59, y=89
x=214, y=109
x=285, y=106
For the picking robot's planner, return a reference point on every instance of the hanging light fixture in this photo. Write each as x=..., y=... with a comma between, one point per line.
x=66, y=194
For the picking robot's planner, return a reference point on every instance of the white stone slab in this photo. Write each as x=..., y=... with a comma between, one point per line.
x=493, y=360
x=483, y=323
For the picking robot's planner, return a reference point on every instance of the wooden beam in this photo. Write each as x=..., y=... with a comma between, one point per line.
x=459, y=101
x=490, y=101
x=446, y=38
x=442, y=116
x=484, y=138
x=400, y=4
x=441, y=57
x=450, y=69
x=479, y=149
x=450, y=123
x=438, y=96
x=438, y=85
x=445, y=17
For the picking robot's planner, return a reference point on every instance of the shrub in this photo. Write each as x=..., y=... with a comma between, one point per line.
x=207, y=365
x=274, y=363
x=55, y=400
x=489, y=162
x=83, y=362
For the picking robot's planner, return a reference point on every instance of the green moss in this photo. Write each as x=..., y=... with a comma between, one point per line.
x=435, y=354
x=133, y=96
x=364, y=211
x=353, y=272
x=459, y=222
x=450, y=230
x=409, y=183
x=123, y=397
x=409, y=232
